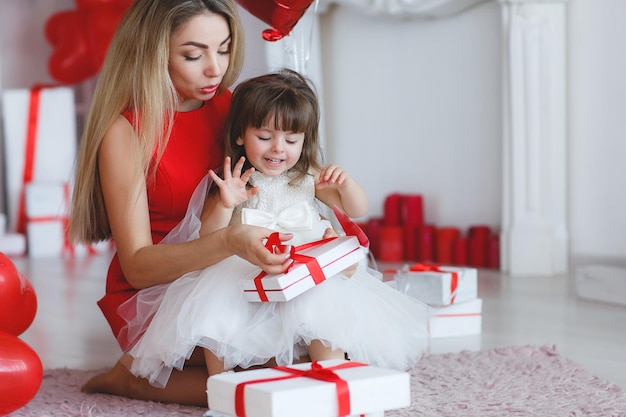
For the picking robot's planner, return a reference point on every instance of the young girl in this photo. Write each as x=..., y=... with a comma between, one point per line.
x=272, y=134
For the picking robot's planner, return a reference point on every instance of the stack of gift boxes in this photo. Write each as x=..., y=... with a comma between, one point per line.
x=403, y=235
x=444, y=274
x=39, y=152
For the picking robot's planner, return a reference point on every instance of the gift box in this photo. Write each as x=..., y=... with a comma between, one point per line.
x=39, y=143
x=319, y=389
x=459, y=319
x=313, y=263
x=11, y=244
x=605, y=283
x=47, y=207
x=438, y=285
x=47, y=210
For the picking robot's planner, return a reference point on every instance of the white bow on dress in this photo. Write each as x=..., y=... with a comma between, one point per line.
x=296, y=217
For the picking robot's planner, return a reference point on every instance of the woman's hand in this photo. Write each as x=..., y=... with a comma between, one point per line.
x=248, y=242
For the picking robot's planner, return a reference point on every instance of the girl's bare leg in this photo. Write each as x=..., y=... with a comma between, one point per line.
x=184, y=387
x=319, y=352
x=214, y=365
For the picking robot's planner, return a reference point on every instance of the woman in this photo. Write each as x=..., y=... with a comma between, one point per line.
x=152, y=134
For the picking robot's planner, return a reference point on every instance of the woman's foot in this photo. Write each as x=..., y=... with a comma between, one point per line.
x=116, y=381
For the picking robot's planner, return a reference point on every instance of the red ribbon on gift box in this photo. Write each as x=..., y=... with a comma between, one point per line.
x=316, y=371
x=274, y=245
x=454, y=282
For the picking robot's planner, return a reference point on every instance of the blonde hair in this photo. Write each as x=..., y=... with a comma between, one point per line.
x=135, y=77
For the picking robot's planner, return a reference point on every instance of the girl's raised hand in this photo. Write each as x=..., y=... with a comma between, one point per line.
x=233, y=190
x=332, y=176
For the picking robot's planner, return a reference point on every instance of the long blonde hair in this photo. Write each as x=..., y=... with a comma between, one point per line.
x=135, y=77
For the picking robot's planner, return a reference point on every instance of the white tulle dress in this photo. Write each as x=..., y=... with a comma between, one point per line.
x=361, y=315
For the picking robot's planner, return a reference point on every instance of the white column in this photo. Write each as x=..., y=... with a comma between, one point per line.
x=535, y=234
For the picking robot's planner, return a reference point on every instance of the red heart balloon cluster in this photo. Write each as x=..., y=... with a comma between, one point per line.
x=81, y=37
x=281, y=15
x=21, y=370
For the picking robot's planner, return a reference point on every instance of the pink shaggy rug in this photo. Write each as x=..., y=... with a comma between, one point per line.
x=515, y=381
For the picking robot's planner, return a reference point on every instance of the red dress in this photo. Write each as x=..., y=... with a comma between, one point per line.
x=193, y=149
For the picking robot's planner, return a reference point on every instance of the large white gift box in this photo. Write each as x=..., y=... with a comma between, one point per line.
x=438, y=285
x=312, y=265
x=319, y=389
x=459, y=319
x=49, y=154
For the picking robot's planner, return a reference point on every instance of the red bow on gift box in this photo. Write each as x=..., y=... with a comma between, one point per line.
x=454, y=282
x=317, y=371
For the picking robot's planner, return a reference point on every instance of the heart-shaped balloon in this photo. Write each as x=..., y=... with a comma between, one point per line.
x=21, y=373
x=281, y=15
x=81, y=38
x=18, y=301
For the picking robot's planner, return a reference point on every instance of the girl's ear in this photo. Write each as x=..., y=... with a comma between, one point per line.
x=239, y=141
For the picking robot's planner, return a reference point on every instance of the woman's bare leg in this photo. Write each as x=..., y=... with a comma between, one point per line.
x=184, y=387
x=319, y=352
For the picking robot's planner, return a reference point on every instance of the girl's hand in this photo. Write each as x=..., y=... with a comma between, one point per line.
x=233, y=190
x=332, y=176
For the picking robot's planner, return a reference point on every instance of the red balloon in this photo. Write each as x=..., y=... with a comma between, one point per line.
x=81, y=38
x=281, y=15
x=18, y=301
x=21, y=373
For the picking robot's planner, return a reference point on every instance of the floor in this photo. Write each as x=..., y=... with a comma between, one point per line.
x=69, y=330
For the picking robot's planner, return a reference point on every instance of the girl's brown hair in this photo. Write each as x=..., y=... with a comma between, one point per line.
x=284, y=100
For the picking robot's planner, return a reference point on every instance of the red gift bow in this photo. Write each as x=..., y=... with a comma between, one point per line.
x=454, y=283
x=274, y=244
x=317, y=371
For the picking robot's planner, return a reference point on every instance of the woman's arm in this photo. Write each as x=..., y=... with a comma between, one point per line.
x=333, y=186
x=145, y=264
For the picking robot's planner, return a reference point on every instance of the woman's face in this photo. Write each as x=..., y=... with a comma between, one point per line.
x=199, y=57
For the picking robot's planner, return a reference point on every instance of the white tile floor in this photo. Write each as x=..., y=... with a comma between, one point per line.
x=69, y=330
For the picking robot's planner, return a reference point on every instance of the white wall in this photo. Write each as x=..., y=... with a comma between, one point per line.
x=414, y=106
x=598, y=129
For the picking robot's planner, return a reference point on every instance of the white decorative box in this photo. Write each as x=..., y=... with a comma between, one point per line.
x=274, y=392
x=444, y=285
x=53, y=149
x=11, y=244
x=459, y=319
x=333, y=257
x=601, y=283
x=47, y=207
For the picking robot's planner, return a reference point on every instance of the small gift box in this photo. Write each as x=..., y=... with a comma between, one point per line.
x=438, y=285
x=47, y=208
x=47, y=218
x=39, y=143
x=459, y=319
x=313, y=263
x=319, y=389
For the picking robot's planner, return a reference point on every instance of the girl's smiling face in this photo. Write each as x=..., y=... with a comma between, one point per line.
x=272, y=151
x=199, y=57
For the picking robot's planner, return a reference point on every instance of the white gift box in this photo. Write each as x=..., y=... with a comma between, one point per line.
x=47, y=209
x=439, y=288
x=46, y=213
x=55, y=141
x=459, y=319
x=333, y=257
x=13, y=244
x=371, y=390
x=601, y=283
